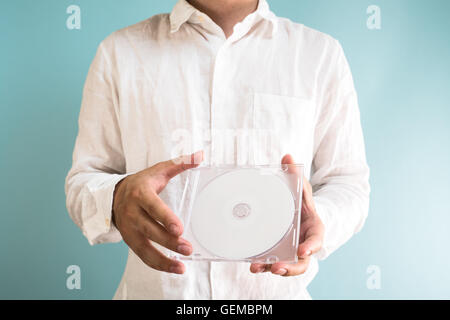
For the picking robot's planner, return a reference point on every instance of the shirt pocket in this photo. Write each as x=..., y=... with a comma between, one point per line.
x=282, y=124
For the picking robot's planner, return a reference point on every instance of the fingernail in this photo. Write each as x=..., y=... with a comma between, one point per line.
x=173, y=228
x=308, y=253
x=281, y=272
x=184, y=249
x=197, y=157
x=176, y=269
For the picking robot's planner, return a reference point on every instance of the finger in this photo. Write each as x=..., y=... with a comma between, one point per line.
x=312, y=244
x=155, y=207
x=257, y=267
x=156, y=259
x=289, y=160
x=307, y=197
x=267, y=267
x=293, y=269
x=173, y=167
x=157, y=233
x=294, y=172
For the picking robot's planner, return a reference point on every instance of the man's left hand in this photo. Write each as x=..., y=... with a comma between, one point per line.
x=311, y=235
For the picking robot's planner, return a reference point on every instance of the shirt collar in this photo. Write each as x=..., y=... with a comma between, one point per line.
x=183, y=11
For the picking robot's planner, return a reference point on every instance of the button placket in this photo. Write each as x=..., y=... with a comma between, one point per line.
x=217, y=98
x=216, y=104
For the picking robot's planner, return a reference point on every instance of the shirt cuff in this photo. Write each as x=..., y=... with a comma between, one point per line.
x=99, y=227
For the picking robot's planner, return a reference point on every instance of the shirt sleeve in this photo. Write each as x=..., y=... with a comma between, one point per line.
x=98, y=159
x=340, y=174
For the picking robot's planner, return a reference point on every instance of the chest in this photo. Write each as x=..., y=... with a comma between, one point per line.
x=241, y=104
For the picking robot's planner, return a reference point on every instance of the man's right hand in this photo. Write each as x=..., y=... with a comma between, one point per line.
x=142, y=217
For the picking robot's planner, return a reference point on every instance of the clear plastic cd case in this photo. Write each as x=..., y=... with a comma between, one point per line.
x=243, y=213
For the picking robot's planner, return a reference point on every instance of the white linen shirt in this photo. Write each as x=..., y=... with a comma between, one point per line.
x=174, y=84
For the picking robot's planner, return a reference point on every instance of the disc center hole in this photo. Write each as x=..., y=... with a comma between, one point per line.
x=241, y=210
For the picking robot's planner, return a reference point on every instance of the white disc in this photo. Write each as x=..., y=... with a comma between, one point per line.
x=242, y=213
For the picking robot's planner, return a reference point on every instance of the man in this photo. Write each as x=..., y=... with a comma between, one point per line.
x=183, y=82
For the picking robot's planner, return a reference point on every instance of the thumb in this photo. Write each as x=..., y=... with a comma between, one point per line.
x=288, y=162
x=173, y=167
x=287, y=159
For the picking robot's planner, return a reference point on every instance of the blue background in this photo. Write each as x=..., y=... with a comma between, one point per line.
x=402, y=78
